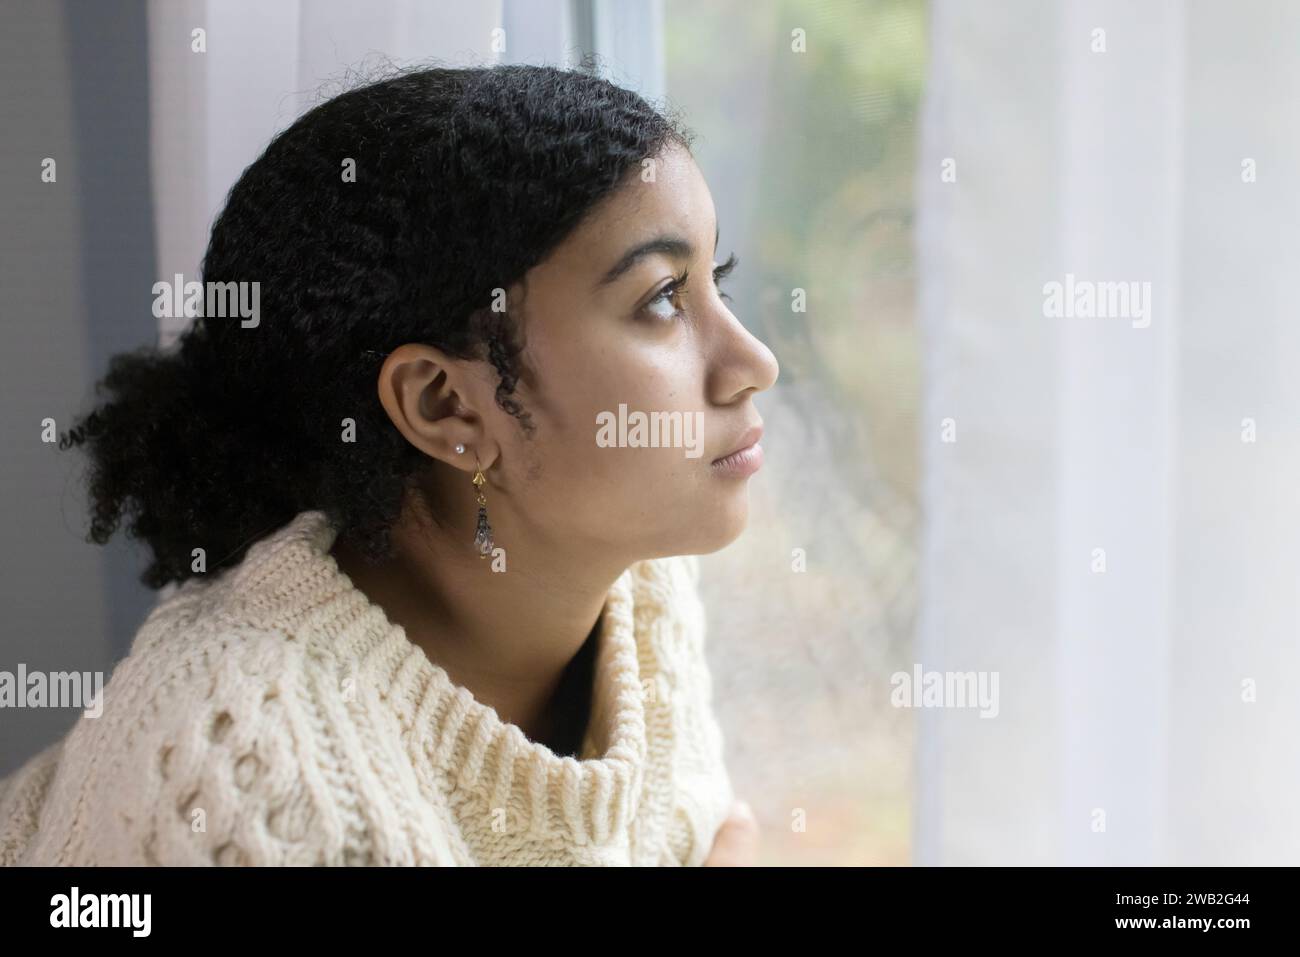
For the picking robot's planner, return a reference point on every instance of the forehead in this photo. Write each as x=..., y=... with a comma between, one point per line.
x=676, y=200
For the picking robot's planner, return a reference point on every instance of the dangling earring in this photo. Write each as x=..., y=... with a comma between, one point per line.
x=483, y=531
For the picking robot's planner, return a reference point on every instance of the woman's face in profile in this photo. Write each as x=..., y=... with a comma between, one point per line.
x=604, y=330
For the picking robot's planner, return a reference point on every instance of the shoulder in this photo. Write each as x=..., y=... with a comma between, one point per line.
x=206, y=748
x=22, y=794
x=228, y=735
x=191, y=758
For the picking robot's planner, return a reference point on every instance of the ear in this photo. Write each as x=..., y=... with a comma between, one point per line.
x=433, y=399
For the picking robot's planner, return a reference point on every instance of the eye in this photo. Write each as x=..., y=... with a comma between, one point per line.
x=665, y=297
x=722, y=272
x=662, y=307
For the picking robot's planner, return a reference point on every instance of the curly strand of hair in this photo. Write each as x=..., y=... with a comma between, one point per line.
x=504, y=352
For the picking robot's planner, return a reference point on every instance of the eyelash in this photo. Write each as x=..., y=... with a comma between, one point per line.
x=678, y=284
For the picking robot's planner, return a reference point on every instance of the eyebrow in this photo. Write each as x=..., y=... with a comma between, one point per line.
x=673, y=246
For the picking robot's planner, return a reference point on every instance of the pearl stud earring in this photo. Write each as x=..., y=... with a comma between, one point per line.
x=460, y=449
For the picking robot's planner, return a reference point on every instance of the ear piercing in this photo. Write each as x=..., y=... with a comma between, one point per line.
x=482, y=531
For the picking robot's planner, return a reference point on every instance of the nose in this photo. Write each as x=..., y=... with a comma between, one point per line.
x=742, y=363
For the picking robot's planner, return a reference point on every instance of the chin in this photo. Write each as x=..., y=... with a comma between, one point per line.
x=701, y=523
x=721, y=526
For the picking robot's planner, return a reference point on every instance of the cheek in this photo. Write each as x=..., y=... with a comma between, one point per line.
x=585, y=384
x=600, y=486
x=609, y=372
x=639, y=426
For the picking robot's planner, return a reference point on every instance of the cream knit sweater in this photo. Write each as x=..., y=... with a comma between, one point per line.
x=271, y=714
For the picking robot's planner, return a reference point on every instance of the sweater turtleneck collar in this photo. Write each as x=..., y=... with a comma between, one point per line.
x=445, y=729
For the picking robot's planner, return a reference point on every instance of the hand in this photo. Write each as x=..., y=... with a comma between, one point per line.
x=736, y=843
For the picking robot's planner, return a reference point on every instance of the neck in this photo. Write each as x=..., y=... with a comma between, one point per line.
x=507, y=637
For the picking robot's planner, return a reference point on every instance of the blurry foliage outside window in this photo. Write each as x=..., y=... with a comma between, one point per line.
x=810, y=157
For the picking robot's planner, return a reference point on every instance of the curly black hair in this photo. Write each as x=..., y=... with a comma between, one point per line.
x=464, y=180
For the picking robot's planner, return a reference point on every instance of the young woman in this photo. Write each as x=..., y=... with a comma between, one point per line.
x=420, y=608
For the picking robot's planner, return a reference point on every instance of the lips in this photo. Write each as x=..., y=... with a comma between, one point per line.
x=747, y=439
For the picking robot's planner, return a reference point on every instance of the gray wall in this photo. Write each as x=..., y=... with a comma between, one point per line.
x=76, y=267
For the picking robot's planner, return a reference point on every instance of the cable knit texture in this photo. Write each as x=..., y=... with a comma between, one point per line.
x=273, y=715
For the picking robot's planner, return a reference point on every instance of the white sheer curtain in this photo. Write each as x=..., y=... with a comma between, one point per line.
x=1112, y=507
